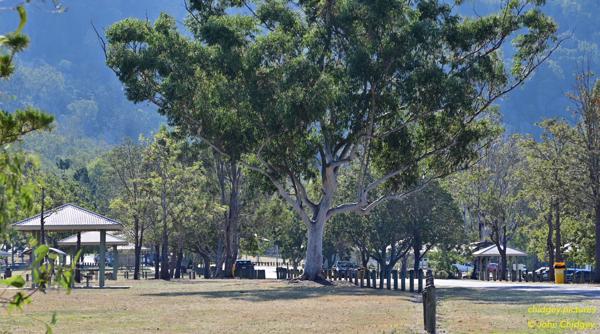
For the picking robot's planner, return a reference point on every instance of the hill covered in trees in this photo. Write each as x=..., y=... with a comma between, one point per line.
x=63, y=72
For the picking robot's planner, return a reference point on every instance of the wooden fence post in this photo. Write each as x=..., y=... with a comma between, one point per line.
x=411, y=282
x=403, y=280
x=374, y=279
x=429, y=301
x=381, y=276
x=420, y=280
x=361, y=274
x=368, y=277
x=395, y=278
x=355, y=275
x=388, y=276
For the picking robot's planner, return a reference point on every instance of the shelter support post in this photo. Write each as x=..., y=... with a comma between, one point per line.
x=115, y=262
x=102, y=259
x=78, y=264
x=36, y=235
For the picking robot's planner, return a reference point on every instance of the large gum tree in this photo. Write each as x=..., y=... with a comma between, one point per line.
x=299, y=90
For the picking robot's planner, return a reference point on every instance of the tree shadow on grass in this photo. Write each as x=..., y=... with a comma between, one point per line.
x=516, y=296
x=287, y=293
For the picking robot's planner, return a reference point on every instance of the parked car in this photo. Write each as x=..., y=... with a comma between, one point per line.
x=584, y=275
x=543, y=272
x=342, y=266
x=463, y=268
x=574, y=275
x=243, y=269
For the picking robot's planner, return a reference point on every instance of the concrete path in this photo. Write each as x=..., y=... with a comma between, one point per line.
x=588, y=290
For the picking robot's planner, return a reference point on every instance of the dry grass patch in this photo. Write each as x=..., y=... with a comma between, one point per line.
x=500, y=310
x=222, y=306
x=269, y=306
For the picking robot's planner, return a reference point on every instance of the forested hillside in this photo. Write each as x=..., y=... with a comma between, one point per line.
x=544, y=94
x=64, y=73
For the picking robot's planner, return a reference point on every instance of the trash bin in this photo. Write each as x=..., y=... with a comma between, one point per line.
x=559, y=272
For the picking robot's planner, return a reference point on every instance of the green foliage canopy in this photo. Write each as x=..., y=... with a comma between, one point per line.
x=299, y=90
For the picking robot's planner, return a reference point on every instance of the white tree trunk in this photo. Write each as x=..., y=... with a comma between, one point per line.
x=314, y=251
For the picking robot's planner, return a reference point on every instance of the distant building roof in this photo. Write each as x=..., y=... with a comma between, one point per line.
x=69, y=217
x=27, y=251
x=92, y=238
x=493, y=251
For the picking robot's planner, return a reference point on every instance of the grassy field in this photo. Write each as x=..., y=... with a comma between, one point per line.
x=268, y=306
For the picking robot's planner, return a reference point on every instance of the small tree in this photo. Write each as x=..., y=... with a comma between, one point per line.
x=502, y=207
x=553, y=179
x=126, y=165
x=161, y=158
x=587, y=107
x=431, y=219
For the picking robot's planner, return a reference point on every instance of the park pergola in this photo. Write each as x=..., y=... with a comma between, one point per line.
x=75, y=219
x=92, y=238
x=484, y=255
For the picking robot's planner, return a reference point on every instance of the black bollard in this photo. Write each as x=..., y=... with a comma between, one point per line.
x=374, y=279
x=403, y=280
x=411, y=280
x=381, y=279
x=368, y=277
x=361, y=273
x=420, y=280
x=395, y=278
